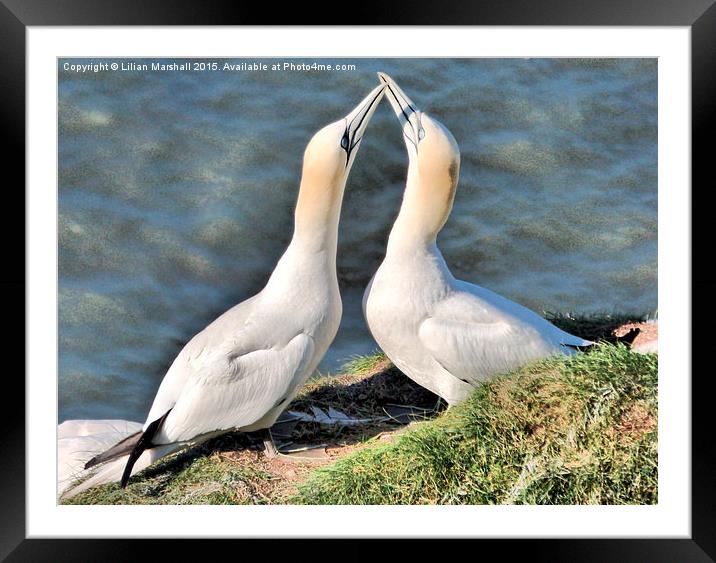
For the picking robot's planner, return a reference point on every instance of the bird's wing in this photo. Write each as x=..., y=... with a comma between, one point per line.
x=235, y=389
x=472, y=340
x=213, y=337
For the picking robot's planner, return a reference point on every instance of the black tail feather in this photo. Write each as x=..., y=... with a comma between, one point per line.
x=627, y=340
x=629, y=337
x=143, y=443
x=118, y=450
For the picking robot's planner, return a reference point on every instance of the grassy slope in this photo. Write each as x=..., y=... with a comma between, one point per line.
x=562, y=431
x=580, y=430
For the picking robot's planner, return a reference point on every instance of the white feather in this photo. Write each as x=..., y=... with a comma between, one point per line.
x=236, y=392
x=80, y=440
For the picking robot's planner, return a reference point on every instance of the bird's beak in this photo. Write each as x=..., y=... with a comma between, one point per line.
x=357, y=120
x=406, y=111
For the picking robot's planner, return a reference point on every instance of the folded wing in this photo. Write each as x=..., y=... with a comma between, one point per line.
x=475, y=334
x=227, y=390
x=473, y=352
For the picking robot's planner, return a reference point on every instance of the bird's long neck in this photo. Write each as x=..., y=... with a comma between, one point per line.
x=422, y=215
x=310, y=259
x=317, y=216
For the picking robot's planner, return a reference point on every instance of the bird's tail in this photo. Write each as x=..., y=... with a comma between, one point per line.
x=120, y=449
x=628, y=338
x=113, y=469
x=144, y=442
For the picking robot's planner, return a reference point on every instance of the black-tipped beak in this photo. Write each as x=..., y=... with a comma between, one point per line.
x=406, y=111
x=357, y=121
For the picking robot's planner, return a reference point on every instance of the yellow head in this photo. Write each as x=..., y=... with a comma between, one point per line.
x=434, y=166
x=327, y=161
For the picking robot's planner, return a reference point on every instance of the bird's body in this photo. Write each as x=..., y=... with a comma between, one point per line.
x=449, y=335
x=243, y=369
x=446, y=334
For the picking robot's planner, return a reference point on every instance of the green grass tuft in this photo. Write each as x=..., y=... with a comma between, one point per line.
x=360, y=365
x=184, y=479
x=566, y=430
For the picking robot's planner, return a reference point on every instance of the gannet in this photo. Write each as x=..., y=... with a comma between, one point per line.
x=80, y=440
x=243, y=369
x=446, y=334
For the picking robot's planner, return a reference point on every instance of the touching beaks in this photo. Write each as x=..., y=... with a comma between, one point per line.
x=357, y=121
x=406, y=111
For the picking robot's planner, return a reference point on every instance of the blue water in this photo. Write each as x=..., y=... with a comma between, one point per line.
x=176, y=194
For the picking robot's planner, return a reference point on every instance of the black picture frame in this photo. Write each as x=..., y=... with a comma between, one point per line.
x=17, y=15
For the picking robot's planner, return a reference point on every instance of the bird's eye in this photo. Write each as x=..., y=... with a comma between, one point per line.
x=421, y=133
x=345, y=141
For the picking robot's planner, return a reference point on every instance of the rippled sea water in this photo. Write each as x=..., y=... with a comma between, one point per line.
x=176, y=194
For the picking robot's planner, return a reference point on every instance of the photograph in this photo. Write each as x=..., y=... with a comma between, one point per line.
x=357, y=281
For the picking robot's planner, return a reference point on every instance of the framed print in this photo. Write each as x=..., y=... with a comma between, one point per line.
x=164, y=154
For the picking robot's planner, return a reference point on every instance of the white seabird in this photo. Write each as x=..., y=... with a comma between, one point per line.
x=243, y=369
x=446, y=334
x=80, y=440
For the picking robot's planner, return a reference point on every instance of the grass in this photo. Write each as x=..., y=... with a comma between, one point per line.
x=198, y=476
x=577, y=430
x=361, y=365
